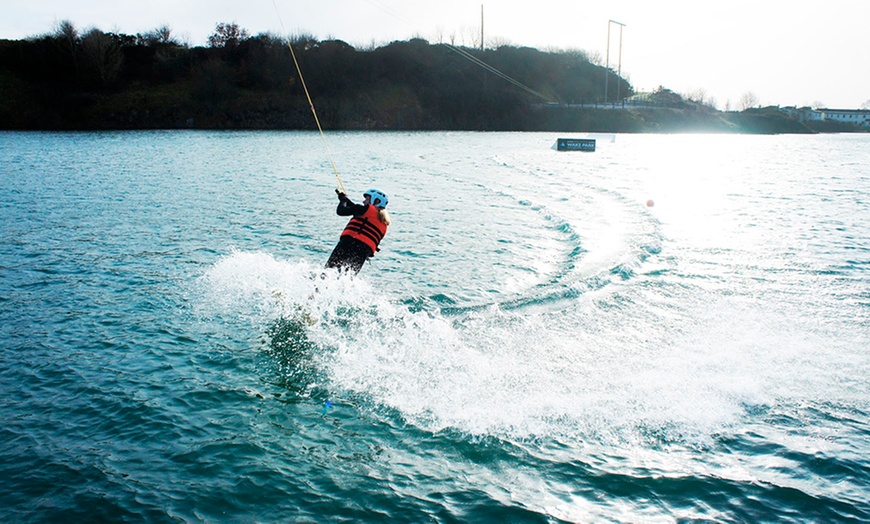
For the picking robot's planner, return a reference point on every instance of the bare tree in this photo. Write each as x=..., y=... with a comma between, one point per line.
x=748, y=100
x=227, y=35
x=304, y=41
x=103, y=56
x=712, y=102
x=818, y=104
x=699, y=96
x=498, y=41
x=580, y=55
x=595, y=58
x=67, y=32
x=866, y=105
x=470, y=37
x=160, y=36
x=68, y=36
x=438, y=34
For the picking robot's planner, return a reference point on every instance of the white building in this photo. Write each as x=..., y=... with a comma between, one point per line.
x=859, y=117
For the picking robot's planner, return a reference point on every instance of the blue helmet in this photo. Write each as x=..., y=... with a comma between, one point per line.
x=378, y=198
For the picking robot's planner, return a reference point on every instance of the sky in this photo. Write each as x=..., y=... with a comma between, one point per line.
x=785, y=53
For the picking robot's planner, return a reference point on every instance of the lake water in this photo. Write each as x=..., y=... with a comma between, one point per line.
x=533, y=343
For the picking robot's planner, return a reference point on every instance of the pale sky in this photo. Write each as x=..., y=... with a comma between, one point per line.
x=786, y=53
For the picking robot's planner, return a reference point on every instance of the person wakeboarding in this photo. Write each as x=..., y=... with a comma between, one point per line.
x=360, y=238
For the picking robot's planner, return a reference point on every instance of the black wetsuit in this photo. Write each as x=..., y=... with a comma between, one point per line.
x=349, y=253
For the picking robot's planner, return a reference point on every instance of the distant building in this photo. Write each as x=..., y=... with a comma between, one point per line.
x=803, y=113
x=859, y=117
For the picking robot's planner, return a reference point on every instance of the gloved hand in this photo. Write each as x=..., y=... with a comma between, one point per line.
x=341, y=194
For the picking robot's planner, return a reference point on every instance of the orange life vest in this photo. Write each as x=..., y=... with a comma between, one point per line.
x=367, y=228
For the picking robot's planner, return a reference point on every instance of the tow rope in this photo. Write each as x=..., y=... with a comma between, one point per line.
x=310, y=102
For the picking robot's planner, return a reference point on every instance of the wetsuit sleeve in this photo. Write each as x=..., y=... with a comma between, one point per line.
x=347, y=208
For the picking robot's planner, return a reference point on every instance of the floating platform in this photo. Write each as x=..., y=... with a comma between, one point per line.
x=575, y=144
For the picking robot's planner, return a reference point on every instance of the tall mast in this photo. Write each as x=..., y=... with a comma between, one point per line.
x=481, y=27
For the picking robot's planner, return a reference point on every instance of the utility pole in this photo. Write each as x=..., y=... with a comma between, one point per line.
x=481, y=27
x=607, y=64
x=619, y=67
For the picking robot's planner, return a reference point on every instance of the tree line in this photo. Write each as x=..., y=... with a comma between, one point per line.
x=92, y=80
x=69, y=79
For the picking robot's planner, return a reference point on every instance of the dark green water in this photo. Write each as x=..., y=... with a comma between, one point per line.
x=534, y=343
